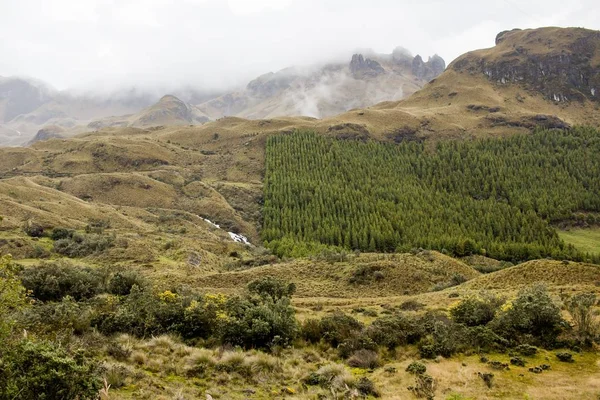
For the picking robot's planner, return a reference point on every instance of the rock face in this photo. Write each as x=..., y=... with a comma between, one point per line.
x=47, y=132
x=428, y=70
x=361, y=67
x=561, y=63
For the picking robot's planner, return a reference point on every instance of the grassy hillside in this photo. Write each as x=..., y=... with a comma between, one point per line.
x=585, y=239
x=490, y=196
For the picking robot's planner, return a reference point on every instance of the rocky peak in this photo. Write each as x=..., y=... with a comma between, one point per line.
x=428, y=70
x=361, y=67
x=270, y=84
x=563, y=64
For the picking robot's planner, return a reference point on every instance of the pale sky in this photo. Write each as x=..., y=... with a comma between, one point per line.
x=218, y=43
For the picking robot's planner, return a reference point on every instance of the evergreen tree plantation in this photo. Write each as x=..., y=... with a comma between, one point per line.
x=498, y=197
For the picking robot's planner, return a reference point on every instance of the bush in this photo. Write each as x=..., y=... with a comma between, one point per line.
x=339, y=327
x=411, y=305
x=366, y=387
x=363, y=358
x=44, y=370
x=51, y=282
x=488, y=378
x=416, y=368
x=393, y=331
x=532, y=314
x=274, y=288
x=425, y=386
x=120, y=283
x=581, y=309
x=565, y=357
x=56, y=319
x=526, y=350
x=518, y=361
x=33, y=229
x=260, y=322
x=79, y=245
x=61, y=233
x=475, y=311
x=446, y=339
x=310, y=330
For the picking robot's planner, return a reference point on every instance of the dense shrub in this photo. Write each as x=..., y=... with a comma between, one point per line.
x=310, y=330
x=475, y=311
x=57, y=319
x=45, y=371
x=532, y=315
x=81, y=245
x=121, y=282
x=565, y=357
x=580, y=307
x=338, y=327
x=53, y=281
x=416, y=368
x=61, y=233
x=33, y=229
x=396, y=330
x=259, y=322
x=526, y=350
x=274, y=288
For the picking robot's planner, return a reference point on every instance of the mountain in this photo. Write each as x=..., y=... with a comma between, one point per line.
x=321, y=91
x=531, y=77
x=169, y=110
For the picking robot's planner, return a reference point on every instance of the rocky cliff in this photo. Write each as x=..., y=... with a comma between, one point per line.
x=562, y=64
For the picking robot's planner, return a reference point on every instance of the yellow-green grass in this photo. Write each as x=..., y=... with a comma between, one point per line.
x=586, y=240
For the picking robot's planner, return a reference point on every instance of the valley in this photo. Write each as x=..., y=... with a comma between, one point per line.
x=440, y=246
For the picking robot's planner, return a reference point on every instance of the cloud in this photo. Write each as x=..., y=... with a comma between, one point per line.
x=224, y=43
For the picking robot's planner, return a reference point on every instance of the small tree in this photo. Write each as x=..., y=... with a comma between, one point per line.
x=580, y=308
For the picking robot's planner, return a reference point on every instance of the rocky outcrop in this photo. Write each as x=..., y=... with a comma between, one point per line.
x=47, y=132
x=271, y=84
x=361, y=67
x=428, y=70
x=563, y=64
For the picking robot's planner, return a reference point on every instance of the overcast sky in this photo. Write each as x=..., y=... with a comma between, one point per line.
x=219, y=43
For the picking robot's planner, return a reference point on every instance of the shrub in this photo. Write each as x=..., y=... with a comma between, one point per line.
x=446, y=339
x=80, y=245
x=411, y=305
x=565, y=357
x=310, y=330
x=121, y=282
x=416, y=368
x=274, y=288
x=44, y=370
x=366, y=387
x=475, y=311
x=531, y=314
x=55, y=319
x=339, y=327
x=61, y=233
x=393, y=331
x=363, y=358
x=526, y=350
x=581, y=309
x=53, y=281
x=259, y=322
x=518, y=361
x=425, y=386
x=33, y=229
x=488, y=378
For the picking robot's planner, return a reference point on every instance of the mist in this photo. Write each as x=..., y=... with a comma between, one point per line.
x=104, y=46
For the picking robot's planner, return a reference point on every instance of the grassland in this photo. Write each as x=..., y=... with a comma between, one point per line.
x=585, y=239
